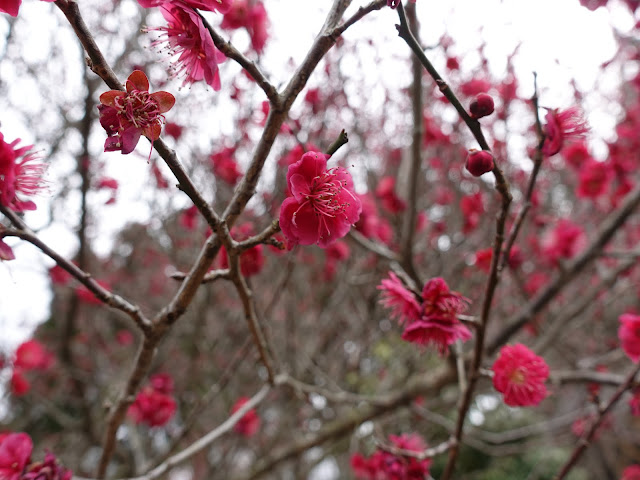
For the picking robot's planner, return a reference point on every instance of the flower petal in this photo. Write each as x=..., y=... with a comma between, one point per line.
x=164, y=100
x=137, y=81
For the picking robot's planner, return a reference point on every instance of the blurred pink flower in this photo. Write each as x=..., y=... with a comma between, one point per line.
x=629, y=335
x=12, y=6
x=563, y=126
x=15, y=452
x=221, y=6
x=31, y=355
x=253, y=17
x=249, y=424
x=519, y=374
x=383, y=465
x=632, y=472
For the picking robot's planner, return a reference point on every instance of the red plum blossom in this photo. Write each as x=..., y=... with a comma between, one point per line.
x=322, y=206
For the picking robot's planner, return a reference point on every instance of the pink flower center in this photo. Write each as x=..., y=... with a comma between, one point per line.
x=324, y=198
x=139, y=108
x=518, y=376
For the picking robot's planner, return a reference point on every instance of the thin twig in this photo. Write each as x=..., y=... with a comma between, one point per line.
x=104, y=295
x=588, y=436
x=250, y=67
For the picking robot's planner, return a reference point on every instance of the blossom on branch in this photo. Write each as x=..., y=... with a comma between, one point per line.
x=563, y=126
x=249, y=424
x=17, y=176
x=154, y=405
x=519, y=374
x=383, y=465
x=15, y=461
x=629, y=335
x=189, y=39
x=431, y=319
x=221, y=6
x=322, y=206
x=249, y=15
x=127, y=115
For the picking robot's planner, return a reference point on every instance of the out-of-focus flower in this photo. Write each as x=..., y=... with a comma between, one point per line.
x=173, y=130
x=127, y=115
x=322, y=206
x=6, y=253
x=251, y=260
x=49, y=469
x=472, y=208
x=629, y=335
x=383, y=465
x=153, y=407
x=15, y=452
x=249, y=424
x=225, y=166
x=563, y=126
x=519, y=374
x=12, y=6
x=31, y=355
x=594, y=179
x=189, y=39
x=253, y=17
x=564, y=241
x=632, y=472
x=385, y=191
x=19, y=384
x=17, y=176
x=221, y=6
x=431, y=319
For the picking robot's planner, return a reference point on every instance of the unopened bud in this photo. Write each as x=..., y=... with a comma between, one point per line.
x=481, y=106
x=479, y=162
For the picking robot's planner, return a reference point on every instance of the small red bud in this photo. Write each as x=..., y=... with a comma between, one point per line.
x=479, y=162
x=481, y=106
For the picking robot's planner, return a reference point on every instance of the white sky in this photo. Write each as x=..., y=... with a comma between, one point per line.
x=559, y=40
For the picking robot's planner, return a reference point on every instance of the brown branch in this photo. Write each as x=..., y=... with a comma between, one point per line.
x=537, y=163
x=250, y=67
x=606, y=231
x=584, y=442
x=248, y=305
x=409, y=219
x=100, y=67
x=565, y=318
x=415, y=386
x=502, y=186
x=118, y=410
x=104, y=295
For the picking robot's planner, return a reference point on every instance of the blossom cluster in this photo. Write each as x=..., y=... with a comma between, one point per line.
x=154, y=405
x=383, y=465
x=431, y=319
x=16, y=463
x=30, y=355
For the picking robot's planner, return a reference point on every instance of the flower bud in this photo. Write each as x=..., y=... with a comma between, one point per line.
x=481, y=106
x=479, y=162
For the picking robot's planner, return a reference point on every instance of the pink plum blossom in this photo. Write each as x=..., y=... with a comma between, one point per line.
x=322, y=206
